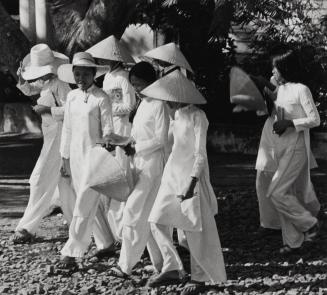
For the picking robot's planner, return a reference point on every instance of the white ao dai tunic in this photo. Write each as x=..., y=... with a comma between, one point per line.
x=46, y=174
x=187, y=159
x=87, y=120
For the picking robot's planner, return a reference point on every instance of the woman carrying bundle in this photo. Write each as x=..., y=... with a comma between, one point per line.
x=87, y=121
x=149, y=150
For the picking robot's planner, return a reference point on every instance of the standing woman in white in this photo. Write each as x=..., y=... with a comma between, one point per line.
x=149, y=147
x=285, y=156
x=88, y=120
x=186, y=199
x=41, y=64
x=111, y=52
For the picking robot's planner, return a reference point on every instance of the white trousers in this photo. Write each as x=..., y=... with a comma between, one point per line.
x=137, y=236
x=86, y=216
x=207, y=262
x=294, y=218
x=102, y=231
x=115, y=218
x=135, y=239
x=269, y=217
x=40, y=202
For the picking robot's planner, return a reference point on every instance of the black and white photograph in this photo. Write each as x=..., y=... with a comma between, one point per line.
x=174, y=147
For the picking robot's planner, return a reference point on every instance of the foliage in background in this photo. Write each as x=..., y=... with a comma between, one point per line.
x=202, y=28
x=209, y=51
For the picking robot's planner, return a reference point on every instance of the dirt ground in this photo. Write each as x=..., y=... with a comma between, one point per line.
x=252, y=261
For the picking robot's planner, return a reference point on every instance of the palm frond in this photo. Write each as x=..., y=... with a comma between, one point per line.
x=169, y=3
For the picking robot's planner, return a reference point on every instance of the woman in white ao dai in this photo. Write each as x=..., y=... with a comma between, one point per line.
x=285, y=158
x=186, y=199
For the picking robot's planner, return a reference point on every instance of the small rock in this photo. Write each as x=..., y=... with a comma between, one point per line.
x=50, y=270
x=23, y=292
x=91, y=271
x=111, y=261
x=39, y=289
x=4, y=289
x=67, y=292
x=88, y=289
x=93, y=259
x=149, y=268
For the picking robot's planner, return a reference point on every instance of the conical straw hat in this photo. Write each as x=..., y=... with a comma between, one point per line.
x=170, y=53
x=174, y=87
x=80, y=59
x=42, y=61
x=111, y=49
x=244, y=92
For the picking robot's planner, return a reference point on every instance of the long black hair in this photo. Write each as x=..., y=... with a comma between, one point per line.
x=289, y=66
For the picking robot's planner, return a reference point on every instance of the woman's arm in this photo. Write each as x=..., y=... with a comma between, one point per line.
x=312, y=118
x=160, y=138
x=66, y=132
x=60, y=93
x=107, y=126
x=200, y=153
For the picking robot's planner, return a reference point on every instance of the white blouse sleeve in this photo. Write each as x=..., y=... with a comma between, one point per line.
x=61, y=91
x=106, y=116
x=127, y=104
x=66, y=133
x=160, y=139
x=312, y=118
x=200, y=153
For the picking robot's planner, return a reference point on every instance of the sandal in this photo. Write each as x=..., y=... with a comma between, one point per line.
x=22, y=236
x=105, y=253
x=167, y=278
x=117, y=245
x=285, y=250
x=312, y=233
x=117, y=272
x=67, y=263
x=193, y=288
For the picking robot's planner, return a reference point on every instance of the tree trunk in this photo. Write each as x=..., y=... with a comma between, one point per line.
x=77, y=25
x=14, y=44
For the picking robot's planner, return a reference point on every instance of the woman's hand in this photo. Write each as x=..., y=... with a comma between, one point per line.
x=280, y=126
x=41, y=109
x=272, y=94
x=190, y=190
x=130, y=149
x=107, y=145
x=65, y=168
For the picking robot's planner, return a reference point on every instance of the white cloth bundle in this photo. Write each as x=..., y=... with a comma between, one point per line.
x=244, y=92
x=105, y=175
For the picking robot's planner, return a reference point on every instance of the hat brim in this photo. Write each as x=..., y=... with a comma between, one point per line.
x=34, y=72
x=169, y=53
x=111, y=49
x=175, y=87
x=65, y=72
x=244, y=92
